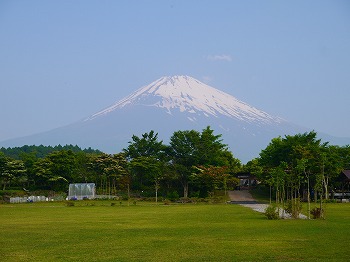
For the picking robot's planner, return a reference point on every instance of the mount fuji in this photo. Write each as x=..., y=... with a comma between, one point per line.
x=167, y=105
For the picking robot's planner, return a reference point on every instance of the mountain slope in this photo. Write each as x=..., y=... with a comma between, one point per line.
x=189, y=95
x=167, y=105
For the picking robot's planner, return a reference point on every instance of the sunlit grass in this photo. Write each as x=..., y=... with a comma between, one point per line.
x=97, y=231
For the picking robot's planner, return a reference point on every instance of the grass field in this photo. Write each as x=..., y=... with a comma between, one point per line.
x=97, y=231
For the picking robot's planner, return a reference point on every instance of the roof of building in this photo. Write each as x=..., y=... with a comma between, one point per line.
x=346, y=173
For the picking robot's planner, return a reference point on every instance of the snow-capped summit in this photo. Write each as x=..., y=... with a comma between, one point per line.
x=186, y=94
x=167, y=105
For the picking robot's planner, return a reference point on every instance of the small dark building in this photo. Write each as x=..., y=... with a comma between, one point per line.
x=246, y=180
x=346, y=175
x=344, y=182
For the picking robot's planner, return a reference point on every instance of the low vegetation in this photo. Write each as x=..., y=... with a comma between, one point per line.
x=271, y=212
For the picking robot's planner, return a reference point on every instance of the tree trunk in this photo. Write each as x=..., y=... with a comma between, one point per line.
x=321, y=207
x=156, y=184
x=315, y=195
x=325, y=183
x=282, y=200
x=185, y=186
x=225, y=186
x=128, y=194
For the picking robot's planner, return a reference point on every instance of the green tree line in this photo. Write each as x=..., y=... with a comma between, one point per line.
x=147, y=165
x=192, y=164
x=41, y=150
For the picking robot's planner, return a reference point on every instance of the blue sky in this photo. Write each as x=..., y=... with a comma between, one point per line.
x=61, y=61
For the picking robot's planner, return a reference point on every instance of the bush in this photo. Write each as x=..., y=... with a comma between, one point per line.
x=173, y=196
x=185, y=200
x=195, y=194
x=271, y=212
x=2, y=201
x=12, y=193
x=293, y=207
x=316, y=212
x=217, y=199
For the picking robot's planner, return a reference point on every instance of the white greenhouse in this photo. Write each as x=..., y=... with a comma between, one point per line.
x=81, y=191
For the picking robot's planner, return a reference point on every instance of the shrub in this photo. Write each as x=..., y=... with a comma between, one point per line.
x=271, y=212
x=2, y=201
x=184, y=200
x=217, y=199
x=293, y=207
x=173, y=196
x=316, y=212
x=195, y=194
x=12, y=193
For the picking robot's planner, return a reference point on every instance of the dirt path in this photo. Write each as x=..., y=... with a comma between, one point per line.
x=240, y=196
x=244, y=198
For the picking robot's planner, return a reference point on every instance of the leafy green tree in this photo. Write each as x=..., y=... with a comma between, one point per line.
x=83, y=173
x=253, y=167
x=110, y=169
x=56, y=170
x=227, y=159
x=147, y=145
x=210, y=149
x=151, y=168
x=63, y=164
x=183, y=152
x=46, y=177
x=210, y=178
x=146, y=155
x=11, y=171
x=344, y=153
x=332, y=165
x=29, y=160
x=279, y=179
x=43, y=172
x=191, y=148
x=117, y=170
x=3, y=163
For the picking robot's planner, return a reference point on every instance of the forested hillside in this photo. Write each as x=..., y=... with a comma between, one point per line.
x=42, y=151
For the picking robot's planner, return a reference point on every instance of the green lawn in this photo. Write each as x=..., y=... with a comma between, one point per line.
x=97, y=231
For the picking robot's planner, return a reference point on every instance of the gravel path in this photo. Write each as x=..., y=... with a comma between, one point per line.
x=240, y=196
x=244, y=198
